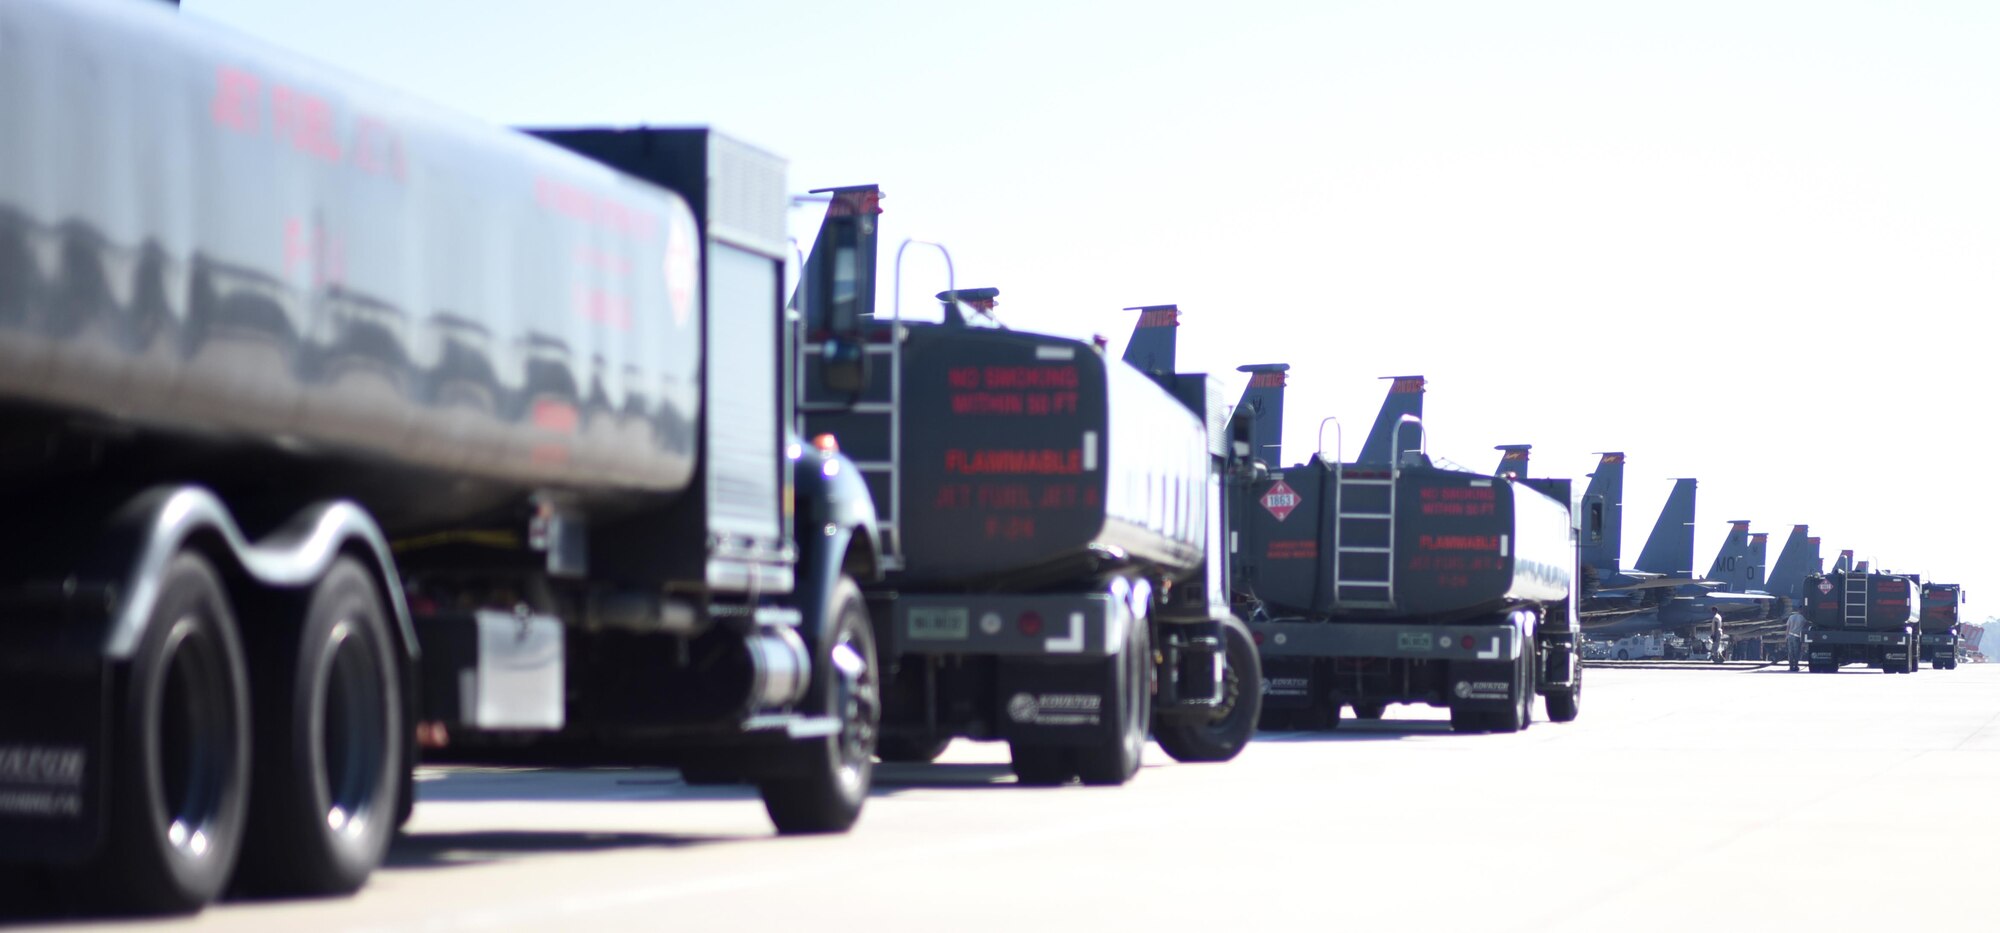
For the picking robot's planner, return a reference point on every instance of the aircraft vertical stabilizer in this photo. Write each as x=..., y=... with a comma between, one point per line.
x=1604, y=514
x=1670, y=548
x=1844, y=563
x=1753, y=575
x=1406, y=397
x=1798, y=557
x=1264, y=403
x=1513, y=459
x=1733, y=558
x=1151, y=350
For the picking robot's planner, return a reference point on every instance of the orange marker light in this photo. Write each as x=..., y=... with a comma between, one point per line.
x=826, y=444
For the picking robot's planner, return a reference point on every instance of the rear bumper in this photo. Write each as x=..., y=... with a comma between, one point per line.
x=1848, y=639
x=1059, y=626
x=1473, y=666
x=1388, y=640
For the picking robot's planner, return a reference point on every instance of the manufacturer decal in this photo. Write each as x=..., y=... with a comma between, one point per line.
x=1483, y=690
x=41, y=765
x=39, y=780
x=1285, y=686
x=1280, y=499
x=1055, y=709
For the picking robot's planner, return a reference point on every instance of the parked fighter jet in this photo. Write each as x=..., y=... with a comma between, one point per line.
x=1662, y=594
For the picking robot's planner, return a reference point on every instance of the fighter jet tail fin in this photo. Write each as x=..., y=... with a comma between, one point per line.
x=1406, y=397
x=1603, y=514
x=1670, y=548
x=1513, y=460
x=1152, y=347
x=1264, y=404
x=1732, y=562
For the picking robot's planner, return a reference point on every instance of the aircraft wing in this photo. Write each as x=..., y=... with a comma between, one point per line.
x=1649, y=582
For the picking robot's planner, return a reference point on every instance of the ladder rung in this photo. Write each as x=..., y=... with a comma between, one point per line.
x=1361, y=549
x=1369, y=516
x=873, y=465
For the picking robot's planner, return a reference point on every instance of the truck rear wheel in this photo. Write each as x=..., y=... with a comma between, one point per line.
x=179, y=791
x=329, y=750
x=1115, y=762
x=1228, y=727
x=1561, y=705
x=826, y=793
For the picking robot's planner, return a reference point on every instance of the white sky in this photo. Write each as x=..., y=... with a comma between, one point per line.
x=1750, y=242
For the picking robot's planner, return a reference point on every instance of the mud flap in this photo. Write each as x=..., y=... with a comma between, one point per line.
x=1484, y=685
x=1288, y=683
x=54, y=748
x=1043, y=702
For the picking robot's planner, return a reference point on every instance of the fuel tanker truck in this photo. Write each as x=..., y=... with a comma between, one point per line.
x=333, y=426
x=1052, y=531
x=1937, y=625
x=1857, y=616
x=1391, y=579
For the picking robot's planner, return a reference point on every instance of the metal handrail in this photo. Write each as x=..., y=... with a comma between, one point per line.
x=796, y=320
x=1337, y=442
x=895, y=560
x=1396, y=441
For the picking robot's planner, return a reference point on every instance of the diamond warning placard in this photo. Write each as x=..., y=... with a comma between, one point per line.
x=1280, y=499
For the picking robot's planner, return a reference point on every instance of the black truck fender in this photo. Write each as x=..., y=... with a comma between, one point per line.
x=143, y=535
x=836, y=532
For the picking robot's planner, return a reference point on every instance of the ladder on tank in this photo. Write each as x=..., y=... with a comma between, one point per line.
x=1364, y=525
x=885, y=476
x=1854, y=600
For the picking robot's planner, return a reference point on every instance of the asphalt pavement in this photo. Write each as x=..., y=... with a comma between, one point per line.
x=1732, y=799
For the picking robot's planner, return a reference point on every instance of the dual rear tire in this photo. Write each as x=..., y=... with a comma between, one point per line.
x=324, y=797
x=180, y=762
x=300, y=798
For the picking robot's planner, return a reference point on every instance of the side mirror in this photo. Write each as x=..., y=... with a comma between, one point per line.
x=844, y=366
x=841, y=282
